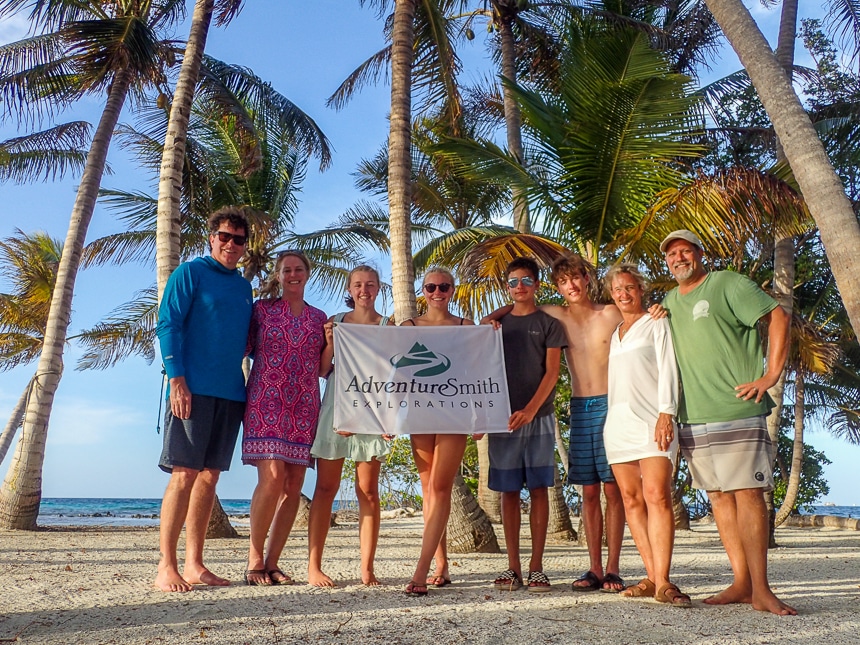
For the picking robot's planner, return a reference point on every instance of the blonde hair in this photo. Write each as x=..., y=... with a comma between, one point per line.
x=349, y=300
x=271, y=288
x=438, y=269
x=627, y=269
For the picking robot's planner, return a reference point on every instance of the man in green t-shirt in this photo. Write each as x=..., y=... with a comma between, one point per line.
x=724, y=403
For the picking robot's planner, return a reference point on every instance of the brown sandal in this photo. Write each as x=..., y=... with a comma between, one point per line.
x=676, y=599
x=642, y=589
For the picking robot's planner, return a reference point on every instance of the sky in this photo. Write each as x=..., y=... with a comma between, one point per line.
x=102, y=439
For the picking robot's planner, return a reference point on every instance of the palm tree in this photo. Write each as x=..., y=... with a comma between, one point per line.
x=261, y=124
x=169, y=188
x=821, y=187
x=84, y=47
x=603, y=144
x=29, y=263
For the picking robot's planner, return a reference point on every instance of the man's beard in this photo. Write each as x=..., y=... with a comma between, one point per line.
x=684, y=273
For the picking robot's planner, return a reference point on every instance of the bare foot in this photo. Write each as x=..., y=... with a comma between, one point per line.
x=319, y=579
x=730, y=596
x=769, y=602
x=368, y=579
x=205, y=577
x=169, y=580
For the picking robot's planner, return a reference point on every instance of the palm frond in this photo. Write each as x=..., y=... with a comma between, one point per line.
x=370, y=72
x=129, y=330
x=46, y=155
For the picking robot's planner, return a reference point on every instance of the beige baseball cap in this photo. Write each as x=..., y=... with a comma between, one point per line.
x=682, y=234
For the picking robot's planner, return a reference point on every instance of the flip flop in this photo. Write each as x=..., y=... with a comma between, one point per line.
x=677, y=599
x=284, y=580
x=415, y=589
x=612, y=578
x=257, y=572
x=438, y=581
x=593, y=582
x=508, y=581
x=642, y=589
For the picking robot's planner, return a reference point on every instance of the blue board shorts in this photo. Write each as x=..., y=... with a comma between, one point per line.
x=525, y=457
x=587, y=455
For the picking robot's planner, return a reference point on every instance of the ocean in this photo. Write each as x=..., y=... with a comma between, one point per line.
x=81, y=511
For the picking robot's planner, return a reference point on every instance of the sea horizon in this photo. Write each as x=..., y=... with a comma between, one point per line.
x=142, y=512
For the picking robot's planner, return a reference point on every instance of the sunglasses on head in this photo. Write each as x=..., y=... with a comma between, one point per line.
x=527, y=282
x=431, y=287
x=224, y=237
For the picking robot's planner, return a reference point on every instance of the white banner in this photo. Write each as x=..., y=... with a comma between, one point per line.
x=419, y=380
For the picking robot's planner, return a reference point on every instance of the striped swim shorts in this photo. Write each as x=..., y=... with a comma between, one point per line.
x=587, y=454
x=728, y=455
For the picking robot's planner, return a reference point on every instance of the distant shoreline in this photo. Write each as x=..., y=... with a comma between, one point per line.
x=142, y=512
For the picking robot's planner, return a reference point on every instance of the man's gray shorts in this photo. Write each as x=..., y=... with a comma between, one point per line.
x=729, y=455
x=207, y=439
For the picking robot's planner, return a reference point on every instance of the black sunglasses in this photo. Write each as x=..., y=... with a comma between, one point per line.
x=527, y=282
x=224, y=237
x=431, y=287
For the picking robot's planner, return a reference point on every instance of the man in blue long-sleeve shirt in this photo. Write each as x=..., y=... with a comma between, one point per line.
x=202, y=329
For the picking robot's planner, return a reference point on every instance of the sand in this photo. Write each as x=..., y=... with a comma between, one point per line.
x=94, y=586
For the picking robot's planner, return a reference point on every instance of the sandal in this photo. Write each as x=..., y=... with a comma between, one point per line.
x=614, y=579
x=538, y=581
x=593, y=582
x=508, y=581
x=642, y=589
x=438, y=581
x=284, y=579
x=415, y=589
x=263, y=581
x=676, y=599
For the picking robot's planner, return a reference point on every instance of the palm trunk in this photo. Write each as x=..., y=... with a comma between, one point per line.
x=821, y=187
x=490, y=500
x=560, y=528
x=679, y=509
x=469, y=528
x=21, y=493
x=796, y=453
x=513, y=119
x=783, y=250
x=167, y=231
x=14, y=421
x=219, y=523
x=400, y=161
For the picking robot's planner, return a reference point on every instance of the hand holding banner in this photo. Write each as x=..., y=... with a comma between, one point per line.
x=419, y=380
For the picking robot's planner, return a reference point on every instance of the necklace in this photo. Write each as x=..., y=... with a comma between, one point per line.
x=621, y=328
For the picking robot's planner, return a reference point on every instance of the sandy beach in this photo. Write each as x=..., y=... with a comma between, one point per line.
x=94, y=586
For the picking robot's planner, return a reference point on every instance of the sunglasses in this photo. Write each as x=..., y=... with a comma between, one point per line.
x=224, y=237
x=526, y=282
x=443, y=288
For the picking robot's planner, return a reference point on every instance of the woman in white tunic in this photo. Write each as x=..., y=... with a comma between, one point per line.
x=641, y=443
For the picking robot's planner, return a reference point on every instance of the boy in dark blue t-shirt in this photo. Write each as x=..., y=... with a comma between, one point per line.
x=525, y=455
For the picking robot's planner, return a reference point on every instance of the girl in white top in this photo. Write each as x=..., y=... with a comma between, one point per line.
x=641, y=443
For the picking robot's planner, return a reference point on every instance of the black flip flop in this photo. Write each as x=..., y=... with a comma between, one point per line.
x=612, y=578
x=594, y=582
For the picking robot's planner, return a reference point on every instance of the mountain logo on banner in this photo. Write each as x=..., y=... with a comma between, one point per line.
x=431, y=364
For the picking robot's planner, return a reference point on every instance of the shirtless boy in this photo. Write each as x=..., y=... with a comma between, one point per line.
x=589, y=328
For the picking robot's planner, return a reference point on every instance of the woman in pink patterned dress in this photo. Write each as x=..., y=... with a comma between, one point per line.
x=290, y=350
